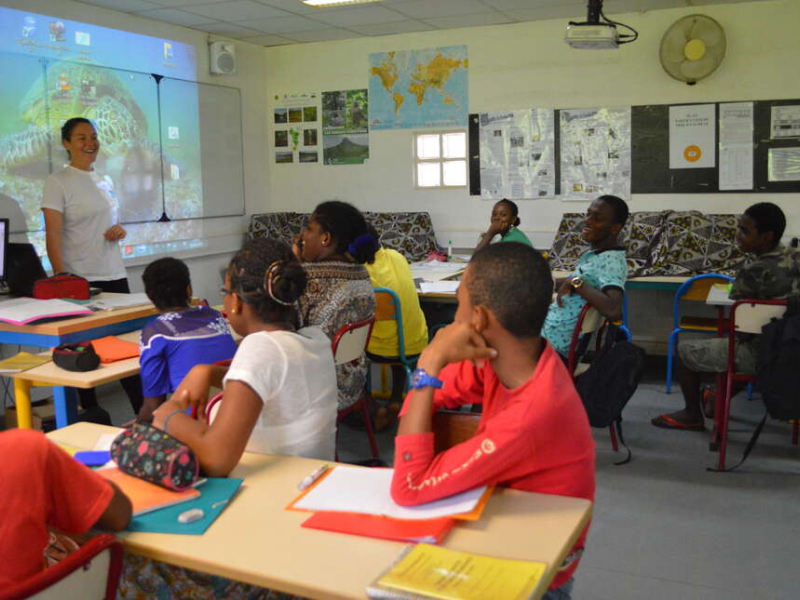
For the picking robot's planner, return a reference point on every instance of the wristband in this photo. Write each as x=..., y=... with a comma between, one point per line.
x=421, y=379
x=169, y=416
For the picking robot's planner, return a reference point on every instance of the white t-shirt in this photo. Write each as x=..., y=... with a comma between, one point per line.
x=89, y=206
x=295, y=377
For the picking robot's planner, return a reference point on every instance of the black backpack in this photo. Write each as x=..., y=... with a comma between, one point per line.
x=610, y=382
x=778, y=366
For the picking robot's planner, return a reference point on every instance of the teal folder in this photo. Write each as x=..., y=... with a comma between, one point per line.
x=215, y=495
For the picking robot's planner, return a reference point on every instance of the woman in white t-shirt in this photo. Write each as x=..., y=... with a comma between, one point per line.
x=82, y=233
x=280, y=390
x=80, y=209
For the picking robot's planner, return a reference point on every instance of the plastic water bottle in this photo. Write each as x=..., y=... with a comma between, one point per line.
x=449, y=248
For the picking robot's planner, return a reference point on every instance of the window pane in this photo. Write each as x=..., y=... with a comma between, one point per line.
x=455, y=145
x=428, y=175
x=428, y=146
x=455, y=172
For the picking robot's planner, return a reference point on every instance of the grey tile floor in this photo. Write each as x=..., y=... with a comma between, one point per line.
x=663, y=526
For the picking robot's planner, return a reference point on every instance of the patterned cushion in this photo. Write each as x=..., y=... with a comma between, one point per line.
x=660, y=243
x=410, y=233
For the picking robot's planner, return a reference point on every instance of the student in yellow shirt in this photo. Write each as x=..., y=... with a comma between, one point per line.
x=390, y=269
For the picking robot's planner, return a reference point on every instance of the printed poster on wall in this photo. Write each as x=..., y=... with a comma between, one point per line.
x=517, y=151
x=345, y=133
x=419, y=88
x=295, y=120
x=736, y=146
x=785, y=122
x=692, y=138
x=595, y=153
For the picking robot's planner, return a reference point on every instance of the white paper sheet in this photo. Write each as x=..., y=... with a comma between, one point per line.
x=439, y=287
x=691, y=136
x=20, y=311
x=785, y=122
x=368, y=491
x=121, y=301
x=736, y=146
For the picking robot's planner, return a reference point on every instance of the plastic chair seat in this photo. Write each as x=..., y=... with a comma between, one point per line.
x=698, y=324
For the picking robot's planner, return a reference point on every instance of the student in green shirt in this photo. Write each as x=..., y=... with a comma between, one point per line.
x=504, y=222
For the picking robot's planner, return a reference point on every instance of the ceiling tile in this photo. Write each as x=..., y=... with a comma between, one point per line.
x=237, y=10
x=469, y=21
x=268, y=40
x=573, y=12
x=227, y=29
x=172, y=15
x=180, y=3
x=392, y=28
x=293, y=6
x=360, y=16
x=322, y=35
x=530, y=4
x=124, y=5
x=422, y=9
x=286, y=25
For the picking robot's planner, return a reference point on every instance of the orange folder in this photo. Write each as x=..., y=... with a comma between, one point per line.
x=429, y=531
x=146, y=496
x=111, y=349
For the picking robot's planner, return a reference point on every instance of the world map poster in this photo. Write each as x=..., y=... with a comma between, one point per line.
x=419, y=88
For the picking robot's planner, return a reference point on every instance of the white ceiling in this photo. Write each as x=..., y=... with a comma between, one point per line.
x=281, y=22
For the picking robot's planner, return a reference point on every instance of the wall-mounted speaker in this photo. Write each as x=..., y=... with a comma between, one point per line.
x=223, y=58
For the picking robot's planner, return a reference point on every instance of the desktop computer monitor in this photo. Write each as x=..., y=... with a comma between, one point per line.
x=3, y=247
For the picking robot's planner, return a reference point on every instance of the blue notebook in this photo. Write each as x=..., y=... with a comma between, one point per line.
x=215, y=495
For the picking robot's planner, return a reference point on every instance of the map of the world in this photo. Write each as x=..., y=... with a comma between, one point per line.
x=418, y=88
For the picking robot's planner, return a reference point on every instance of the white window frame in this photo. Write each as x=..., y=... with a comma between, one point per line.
x=441, y=160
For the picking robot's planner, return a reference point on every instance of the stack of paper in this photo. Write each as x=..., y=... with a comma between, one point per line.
x=439, y=287
x=120, y=301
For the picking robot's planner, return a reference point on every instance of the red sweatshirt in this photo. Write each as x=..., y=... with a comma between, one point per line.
x=534, y=438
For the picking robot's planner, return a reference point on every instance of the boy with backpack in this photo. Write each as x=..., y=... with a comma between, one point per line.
x=774, y=274
x=534, y=433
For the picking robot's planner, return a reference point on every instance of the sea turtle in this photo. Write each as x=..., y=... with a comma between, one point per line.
x=71, y=90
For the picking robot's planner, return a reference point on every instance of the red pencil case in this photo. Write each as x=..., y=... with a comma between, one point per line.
x=63, y=285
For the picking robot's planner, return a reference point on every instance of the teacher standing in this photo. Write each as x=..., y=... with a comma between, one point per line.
x=80, y=209
x=80, y=212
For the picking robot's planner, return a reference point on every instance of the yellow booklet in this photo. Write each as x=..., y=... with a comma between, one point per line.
x=22, y=361
x=433, y=572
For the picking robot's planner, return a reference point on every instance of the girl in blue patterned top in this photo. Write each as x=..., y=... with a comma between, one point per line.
x=180, y=338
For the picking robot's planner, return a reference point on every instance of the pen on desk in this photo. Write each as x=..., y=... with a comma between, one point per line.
x=309, y=479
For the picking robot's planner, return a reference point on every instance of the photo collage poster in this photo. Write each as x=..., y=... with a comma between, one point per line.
x=345, y=130
x=595, y=153
x=295, y=119
x=517, y=151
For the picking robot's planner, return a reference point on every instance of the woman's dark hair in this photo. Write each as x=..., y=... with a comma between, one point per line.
x=267, y=276
x=348, y=228
x=512, y=206
x=66, y=128
x=166, y=283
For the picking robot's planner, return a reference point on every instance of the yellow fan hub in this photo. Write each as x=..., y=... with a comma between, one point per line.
x=694, y=49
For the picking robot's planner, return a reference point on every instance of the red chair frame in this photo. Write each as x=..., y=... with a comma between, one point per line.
x=362, y=402
x=77, y=560
x=722, y=401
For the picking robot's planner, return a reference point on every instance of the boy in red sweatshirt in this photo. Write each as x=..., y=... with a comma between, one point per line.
x=534, y=434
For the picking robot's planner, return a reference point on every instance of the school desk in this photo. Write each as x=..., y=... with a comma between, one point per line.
x=64, y=384
x=256, y=541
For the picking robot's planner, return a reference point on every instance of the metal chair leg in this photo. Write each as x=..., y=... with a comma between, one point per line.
x=673, y=338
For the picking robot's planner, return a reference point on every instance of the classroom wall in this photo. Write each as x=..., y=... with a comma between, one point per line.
x=529, y=65
x=223, y=235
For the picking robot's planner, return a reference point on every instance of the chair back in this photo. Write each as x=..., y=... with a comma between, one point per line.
x=389, y=308
x=695, y=289
x=92, y=571
x=749, y=316
x=350, y=342
x=451, y=427
x=589, y=321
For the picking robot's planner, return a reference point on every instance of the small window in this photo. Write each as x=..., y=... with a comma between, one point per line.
x=440, y=159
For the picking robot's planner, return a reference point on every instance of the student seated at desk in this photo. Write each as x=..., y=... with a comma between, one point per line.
x=599, y=277
x=41, y=486
x=534, y=433
x=774, y=274
x=280, y=389
x=390, y=270
x=181, y=337
x=505, y=222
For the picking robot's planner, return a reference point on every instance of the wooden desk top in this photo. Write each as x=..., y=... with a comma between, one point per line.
x=51, y=374
x=99, y=319
x=255, y=540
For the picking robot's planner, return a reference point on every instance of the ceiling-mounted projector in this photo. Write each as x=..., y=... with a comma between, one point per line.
x=598, y=32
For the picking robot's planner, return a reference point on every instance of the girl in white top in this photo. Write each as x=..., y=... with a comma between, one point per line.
x=280, y=390
x=80, y=209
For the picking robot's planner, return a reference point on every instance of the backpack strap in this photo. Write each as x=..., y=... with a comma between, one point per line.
x=618, y=426
x=748, y=449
